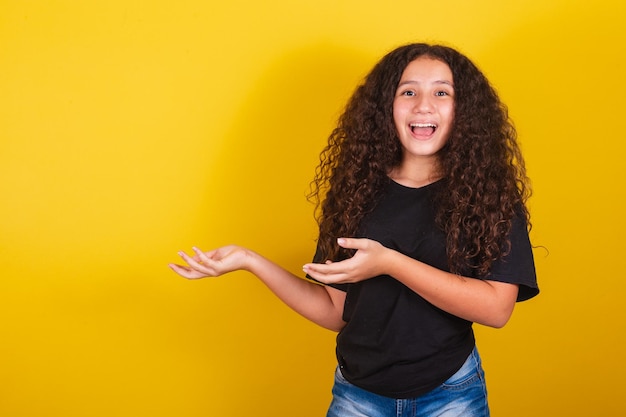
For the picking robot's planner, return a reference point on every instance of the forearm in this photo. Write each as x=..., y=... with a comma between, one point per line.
x=312, y=301
x=486, y=302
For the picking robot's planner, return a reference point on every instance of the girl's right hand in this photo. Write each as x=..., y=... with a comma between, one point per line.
x=212, y=264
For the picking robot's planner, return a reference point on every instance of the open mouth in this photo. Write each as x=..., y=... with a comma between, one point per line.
x=423, y=129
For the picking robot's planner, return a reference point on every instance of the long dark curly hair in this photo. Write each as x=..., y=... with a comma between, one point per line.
x=481, y=165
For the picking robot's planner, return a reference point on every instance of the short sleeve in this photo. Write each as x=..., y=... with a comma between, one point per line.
x=518, y=267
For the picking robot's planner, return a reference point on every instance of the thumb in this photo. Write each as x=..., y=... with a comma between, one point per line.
x=349, y=243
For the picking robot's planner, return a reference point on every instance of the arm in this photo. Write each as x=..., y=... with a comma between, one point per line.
x=486, y=302
x=321, y=304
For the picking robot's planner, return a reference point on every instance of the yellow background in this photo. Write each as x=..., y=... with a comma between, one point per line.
x=131, y=129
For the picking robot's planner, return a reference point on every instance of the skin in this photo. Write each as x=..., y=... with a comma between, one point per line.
x=321, y=304
x=425, y=96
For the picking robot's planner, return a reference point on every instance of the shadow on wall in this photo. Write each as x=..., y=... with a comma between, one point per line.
x=269, y=156
x=257, y=198
x=559, y=73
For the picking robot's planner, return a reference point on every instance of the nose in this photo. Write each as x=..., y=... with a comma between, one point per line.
x=423, y=104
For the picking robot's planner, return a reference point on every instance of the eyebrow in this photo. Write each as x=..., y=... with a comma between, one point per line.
x=434, y=82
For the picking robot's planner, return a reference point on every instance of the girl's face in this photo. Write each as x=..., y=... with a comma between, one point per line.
x=423, y=109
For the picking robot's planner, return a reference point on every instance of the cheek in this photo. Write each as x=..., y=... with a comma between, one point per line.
x=398, y=120
x=449, y=112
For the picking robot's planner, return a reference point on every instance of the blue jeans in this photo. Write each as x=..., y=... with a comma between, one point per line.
x=464, y=394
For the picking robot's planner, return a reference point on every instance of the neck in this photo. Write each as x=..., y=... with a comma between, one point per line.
x=415, y=175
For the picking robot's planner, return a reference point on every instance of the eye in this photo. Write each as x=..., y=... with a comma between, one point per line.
x=408, y=93
x=441, y=93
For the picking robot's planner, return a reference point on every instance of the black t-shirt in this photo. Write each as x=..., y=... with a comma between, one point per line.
x=395, y=343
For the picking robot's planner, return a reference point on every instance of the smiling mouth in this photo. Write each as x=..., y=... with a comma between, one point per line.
x=423, y=128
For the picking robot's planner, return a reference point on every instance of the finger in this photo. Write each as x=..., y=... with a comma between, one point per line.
x=201, y=257
x=351, y=243
x=328, y=278
x=185, y=271
x=330, y=267
x=211, y=254
x=194, y=263
x=317, y=268
x=331, y=271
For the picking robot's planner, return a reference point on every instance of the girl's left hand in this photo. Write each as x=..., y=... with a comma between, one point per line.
x=367, y=262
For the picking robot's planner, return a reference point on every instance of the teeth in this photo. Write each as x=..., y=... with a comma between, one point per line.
x=434, y=126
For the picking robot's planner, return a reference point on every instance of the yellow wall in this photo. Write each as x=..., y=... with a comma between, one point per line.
x=130, y=130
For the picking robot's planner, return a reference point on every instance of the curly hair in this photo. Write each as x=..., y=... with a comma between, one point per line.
x=485, y=182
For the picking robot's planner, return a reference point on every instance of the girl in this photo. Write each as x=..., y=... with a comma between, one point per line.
x=423, y=231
